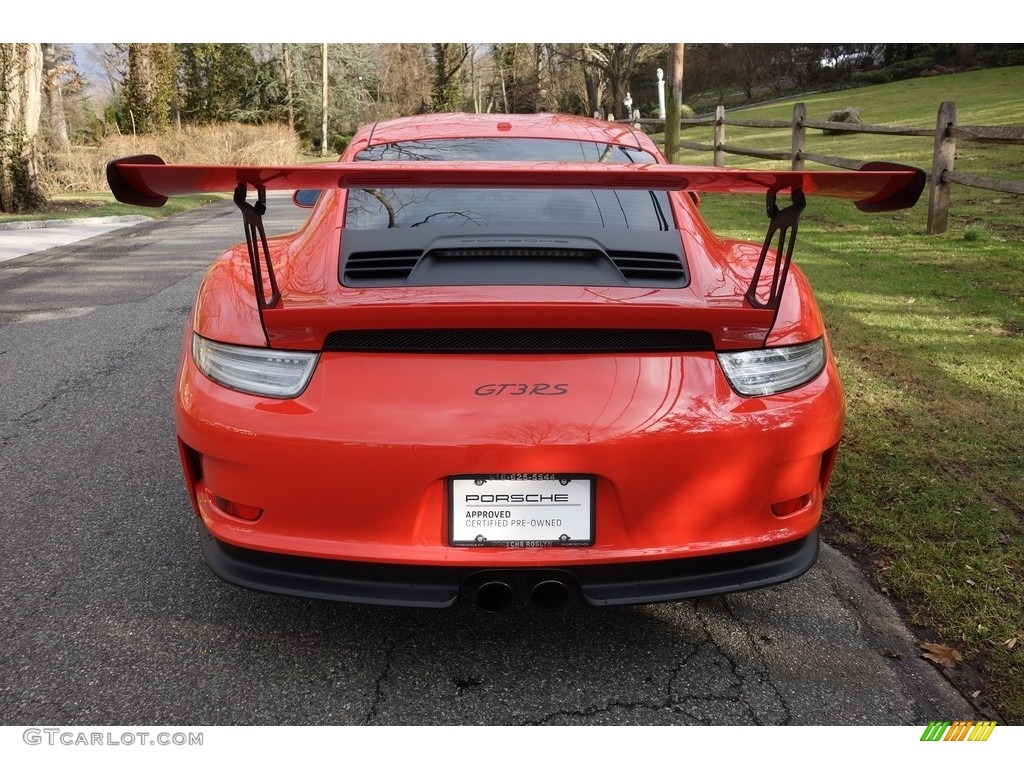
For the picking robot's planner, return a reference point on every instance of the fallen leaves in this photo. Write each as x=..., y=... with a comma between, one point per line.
x=941, y=654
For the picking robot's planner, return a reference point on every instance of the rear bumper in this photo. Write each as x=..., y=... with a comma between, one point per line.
x=357, y=469
x=422, y=586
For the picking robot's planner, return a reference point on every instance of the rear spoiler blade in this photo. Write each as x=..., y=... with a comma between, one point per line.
x=146, y=180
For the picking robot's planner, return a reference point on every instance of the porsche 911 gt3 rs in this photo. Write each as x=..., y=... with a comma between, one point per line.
x=506, y=359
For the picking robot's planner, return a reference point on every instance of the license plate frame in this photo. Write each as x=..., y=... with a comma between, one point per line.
x=521, y=510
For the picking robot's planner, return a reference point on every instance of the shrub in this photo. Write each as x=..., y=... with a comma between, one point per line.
x=339, y=142
x=909, y=68
x=874, y=77
x=973, y=234
x=83, y=169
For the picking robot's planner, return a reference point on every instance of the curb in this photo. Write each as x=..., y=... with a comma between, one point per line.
x=95, y=221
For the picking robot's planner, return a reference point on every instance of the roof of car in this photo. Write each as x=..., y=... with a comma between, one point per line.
x=465, y=125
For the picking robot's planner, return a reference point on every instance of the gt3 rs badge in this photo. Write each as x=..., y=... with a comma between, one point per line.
x=517, y=390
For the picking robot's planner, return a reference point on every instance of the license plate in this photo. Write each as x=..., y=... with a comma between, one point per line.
x=521, y=510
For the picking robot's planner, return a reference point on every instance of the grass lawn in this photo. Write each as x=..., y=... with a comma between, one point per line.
x=74, y=206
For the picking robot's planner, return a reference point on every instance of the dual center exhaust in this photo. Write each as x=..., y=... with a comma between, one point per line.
x=496, y=593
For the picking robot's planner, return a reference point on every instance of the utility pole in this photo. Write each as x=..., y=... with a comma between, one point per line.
x=673, y=100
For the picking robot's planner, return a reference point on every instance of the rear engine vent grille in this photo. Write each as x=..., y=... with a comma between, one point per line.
x=641, y=265
x=531, y=265
x=519, y=341
x=380, y=266
x=515, y=253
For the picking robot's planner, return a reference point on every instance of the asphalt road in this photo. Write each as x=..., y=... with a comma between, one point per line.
x=111, y=617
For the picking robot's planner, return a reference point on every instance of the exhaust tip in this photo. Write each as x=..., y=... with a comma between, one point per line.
x=494, y=596
x=550, y=595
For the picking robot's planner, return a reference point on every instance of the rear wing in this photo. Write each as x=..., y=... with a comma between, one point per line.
x=145, y=180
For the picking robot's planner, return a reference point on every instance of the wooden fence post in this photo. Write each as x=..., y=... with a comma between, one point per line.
x=942, y=161
x=719, y=140
x=799, y=136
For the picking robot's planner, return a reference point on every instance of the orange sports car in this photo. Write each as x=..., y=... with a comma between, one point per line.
x=505, y=359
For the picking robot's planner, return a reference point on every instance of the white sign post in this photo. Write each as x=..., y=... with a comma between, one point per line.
x=661, y=93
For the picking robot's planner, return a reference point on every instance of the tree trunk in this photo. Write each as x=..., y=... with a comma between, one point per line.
x=323, y=99
x=289, y=96
x=447, y=87
x=595, y=88
x=21, y=77
x=618, y=72
x=58, y=122
x=673, y=100
x=149, y=86
x=612, y=65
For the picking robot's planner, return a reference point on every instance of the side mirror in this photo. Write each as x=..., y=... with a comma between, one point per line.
x=306, y=198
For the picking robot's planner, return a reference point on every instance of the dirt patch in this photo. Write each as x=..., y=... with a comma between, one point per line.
x=69, y=206
x=1012, y=328
x=56, y=209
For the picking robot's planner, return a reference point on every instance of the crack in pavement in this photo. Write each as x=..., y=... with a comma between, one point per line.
x=592, y=712
x=378, y=689
x=747, y=683
x=766, y=677
x=668, y=703
x=113, y=365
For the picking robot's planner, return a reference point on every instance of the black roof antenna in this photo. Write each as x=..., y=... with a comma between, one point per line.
x=369, y=139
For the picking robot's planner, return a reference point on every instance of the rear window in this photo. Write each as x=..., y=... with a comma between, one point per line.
x=470, y=208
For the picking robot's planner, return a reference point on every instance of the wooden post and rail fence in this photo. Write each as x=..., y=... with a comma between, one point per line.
x=945, y=134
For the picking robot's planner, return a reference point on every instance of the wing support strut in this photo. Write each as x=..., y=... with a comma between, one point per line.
x=256, y=243
x=782, y=222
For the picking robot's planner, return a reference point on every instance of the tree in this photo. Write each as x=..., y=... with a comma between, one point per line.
x=592, y=80
x=673, y=99
x=608, y=69
x=289, y=98
x=560, y=86
x=446, y=95
x=752, y=67
x=355, y=82
x=54, y=70
x=324, y=97
x=405, y=77
x=532, y=78
x=148, y=87
x=221, y=82
x=21, y=76
x=517, y=69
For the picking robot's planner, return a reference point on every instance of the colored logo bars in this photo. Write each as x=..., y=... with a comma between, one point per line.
x=960, y=730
